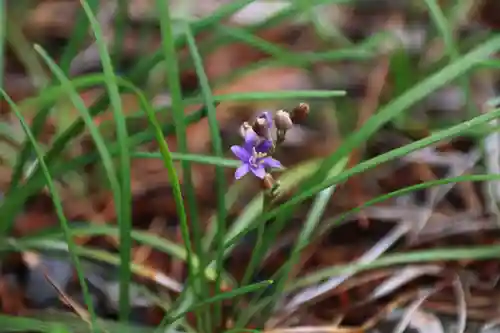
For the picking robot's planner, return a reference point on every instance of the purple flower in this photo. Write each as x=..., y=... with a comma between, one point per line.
x=253, y=161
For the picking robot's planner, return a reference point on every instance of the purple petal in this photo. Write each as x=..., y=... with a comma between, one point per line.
x=241, y=171
x=250, y=140
x=241, y=153
x=259, y=172
x=264, y=146
x=271, y=162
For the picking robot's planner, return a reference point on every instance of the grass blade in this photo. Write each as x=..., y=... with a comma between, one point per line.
x=3, y=34
x=219, y=171
x=173, y=78
x=405, y=101
x=386, y=114
x=123, y=199
x=223, y=296
x=78, y=37
x=59, y=210
x=445, y=30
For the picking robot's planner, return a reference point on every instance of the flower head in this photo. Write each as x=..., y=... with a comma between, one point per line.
x=253, y=161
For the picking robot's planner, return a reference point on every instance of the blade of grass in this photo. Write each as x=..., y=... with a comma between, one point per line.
x=13, y=203
x=49, y=238
x=291, y=12
x=52, y=93
x=395, y=153
x=120, y=25
x=3, y=34
x=422, y=256
x=173, y=78
x=59, y=211
x=94, y=131
x=445, y=30
x=404, y=101
x=78, y=37
x=223, y=296
x=46, y=321
x=306, y=234
x=304, y=59
x=137, y=74
x=421, y=186
x=219, y=171
x=311, y=223
x=202, y=159
x=123, y=198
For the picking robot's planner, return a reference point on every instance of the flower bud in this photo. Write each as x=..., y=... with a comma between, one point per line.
x=261, y=127
x=300, y=113
x=283, y=120
x=268, y=182
x=244, y=128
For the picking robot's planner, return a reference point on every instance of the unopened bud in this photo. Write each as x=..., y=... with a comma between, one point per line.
x=261, y=127
x=300, y=113
x=244, y=129
x=268, y=182
x=283, y=120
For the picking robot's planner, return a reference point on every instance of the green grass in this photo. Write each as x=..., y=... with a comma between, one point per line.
x=204, y=250
x=120, y=183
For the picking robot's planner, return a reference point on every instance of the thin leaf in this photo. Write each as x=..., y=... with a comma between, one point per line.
x=56, y=199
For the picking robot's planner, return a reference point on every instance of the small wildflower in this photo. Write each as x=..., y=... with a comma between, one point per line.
x=259, y=145
x=283, y=121
x=253, y=161
x=300, y=113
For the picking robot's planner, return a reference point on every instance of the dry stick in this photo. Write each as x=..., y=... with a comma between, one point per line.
x=79, y=310
x=404, y=322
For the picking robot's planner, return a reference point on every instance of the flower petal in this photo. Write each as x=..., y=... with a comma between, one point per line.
x=241, y=153
x=250, y=140
x=264, y=146
x=241, y=171
x=271, y=162
x=259, y=172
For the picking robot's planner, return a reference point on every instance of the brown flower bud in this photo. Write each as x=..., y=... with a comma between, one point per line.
x=268, y=182
x=300, y=113
x=244, y=129
x=261, y=127
x=282, y=120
